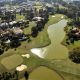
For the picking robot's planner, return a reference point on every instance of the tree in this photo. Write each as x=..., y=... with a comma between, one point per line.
x=74, y=55
x=1, y=50
x=39, y=26
x=34, y=32
x=15, y=42
x=16, y=74
x=29, y=14
x=26, y=75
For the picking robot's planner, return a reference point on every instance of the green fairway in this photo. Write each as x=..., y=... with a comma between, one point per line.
x=11, y=62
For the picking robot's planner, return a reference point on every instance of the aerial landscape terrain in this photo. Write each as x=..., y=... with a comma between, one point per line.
x=39, y=39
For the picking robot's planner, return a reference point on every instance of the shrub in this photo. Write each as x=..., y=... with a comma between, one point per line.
x=74, y=55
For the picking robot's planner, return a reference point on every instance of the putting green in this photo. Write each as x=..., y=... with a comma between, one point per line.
x=12, y=61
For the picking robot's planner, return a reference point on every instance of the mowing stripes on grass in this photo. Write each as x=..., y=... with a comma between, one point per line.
x=12, y=61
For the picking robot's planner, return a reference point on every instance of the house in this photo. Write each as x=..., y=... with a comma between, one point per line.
x=12, y=24
x=22, y=23
x=17, y=31
x=50, y=8
x=75, y=30
x=4, y=35
x=8, y=41
x=37, y=19
x=4, y=25
x=31, y=2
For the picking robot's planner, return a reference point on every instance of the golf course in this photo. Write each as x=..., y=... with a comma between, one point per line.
x=50, y=62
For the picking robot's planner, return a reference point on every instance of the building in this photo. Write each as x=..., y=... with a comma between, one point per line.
x=17, y=31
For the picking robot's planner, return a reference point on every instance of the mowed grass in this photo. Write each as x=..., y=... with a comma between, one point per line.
x=12, y=61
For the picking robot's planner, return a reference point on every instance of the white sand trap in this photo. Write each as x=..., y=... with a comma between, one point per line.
x=62, y=17
x=39, y=52
x=26, y=55
x=21, y=68
x=53, y=16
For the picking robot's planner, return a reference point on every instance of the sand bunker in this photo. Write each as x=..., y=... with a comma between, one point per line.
x=62, y=17
x=39, y=52
x=53, y=16
x=21, y=68
x=26, y=55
